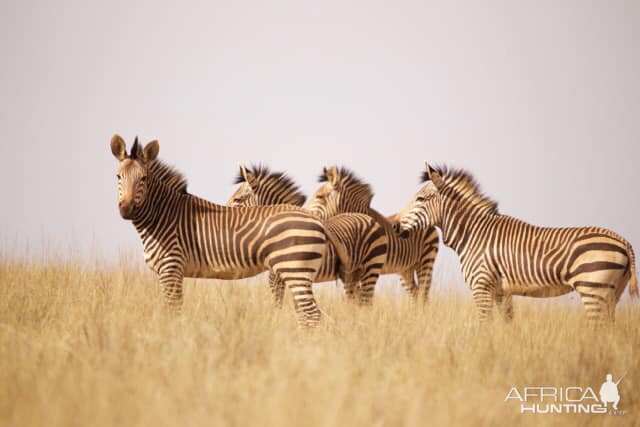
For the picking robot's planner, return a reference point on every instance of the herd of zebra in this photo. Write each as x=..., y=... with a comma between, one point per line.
x=266, y=226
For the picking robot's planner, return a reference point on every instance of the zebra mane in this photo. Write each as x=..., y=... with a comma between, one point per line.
x=259, y=171
x=169, y=175
x=462, y=185
x=278, y=184
x=349, y=180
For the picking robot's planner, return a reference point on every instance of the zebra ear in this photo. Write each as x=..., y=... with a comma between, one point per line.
x=333, y=176
x=118, y=147
x=437, y=180
x=244, y=173
x=430, y=174
x=151, y=150
x=249, y=178
x=428, y=170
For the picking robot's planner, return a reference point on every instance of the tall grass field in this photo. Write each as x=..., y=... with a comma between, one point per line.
x=93, y=346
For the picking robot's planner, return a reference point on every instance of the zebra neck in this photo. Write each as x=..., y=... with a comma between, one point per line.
x=458, y=223
x=158, y=213
x=361, y=209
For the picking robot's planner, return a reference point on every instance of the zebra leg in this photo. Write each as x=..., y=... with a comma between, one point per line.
x=505, y=306
x=368, y=285
x=483, y=292
x=277, y=290
x=425, y=269
x=350, y=285
x=350, y=290
x=424, y=273
x=409, y=284
x=171, y=277
x=598, y=300
x=303, y=300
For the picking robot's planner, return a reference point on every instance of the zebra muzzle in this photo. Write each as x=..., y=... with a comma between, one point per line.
x=126, y=210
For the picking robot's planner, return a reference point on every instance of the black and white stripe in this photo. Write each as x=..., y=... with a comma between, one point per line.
x=186, y=236
x=503, y=256
x=359, y=245
x=343, y=192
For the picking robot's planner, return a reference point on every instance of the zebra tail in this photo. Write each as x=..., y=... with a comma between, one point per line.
x=633, y=280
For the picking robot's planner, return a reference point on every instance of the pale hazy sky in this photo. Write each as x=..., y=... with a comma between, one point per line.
x=540, y=99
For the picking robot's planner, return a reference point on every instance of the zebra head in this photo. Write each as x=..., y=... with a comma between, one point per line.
x=132, y=173
x=259, y=187
x=424, y=210
x=342, y=192
x=247, y=193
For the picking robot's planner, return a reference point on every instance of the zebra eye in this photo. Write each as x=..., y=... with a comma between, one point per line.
x=420, y=199
x=118, y=176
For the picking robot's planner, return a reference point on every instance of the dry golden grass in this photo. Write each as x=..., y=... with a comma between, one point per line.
x=92, y=347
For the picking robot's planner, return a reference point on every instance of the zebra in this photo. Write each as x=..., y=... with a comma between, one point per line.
x=186, y=236
x=363, y=240
x=503, y=256
x=259, y=186
x=344, y=192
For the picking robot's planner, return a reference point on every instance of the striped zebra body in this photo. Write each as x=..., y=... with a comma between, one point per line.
x=362, y=247
x=414, y=256
x=358, y=244
x=186, y=236
x=503, y=256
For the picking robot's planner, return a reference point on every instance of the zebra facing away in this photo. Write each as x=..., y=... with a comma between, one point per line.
x=363, y=243
x=186, y=236
x=503, y=256
x=343, y=192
